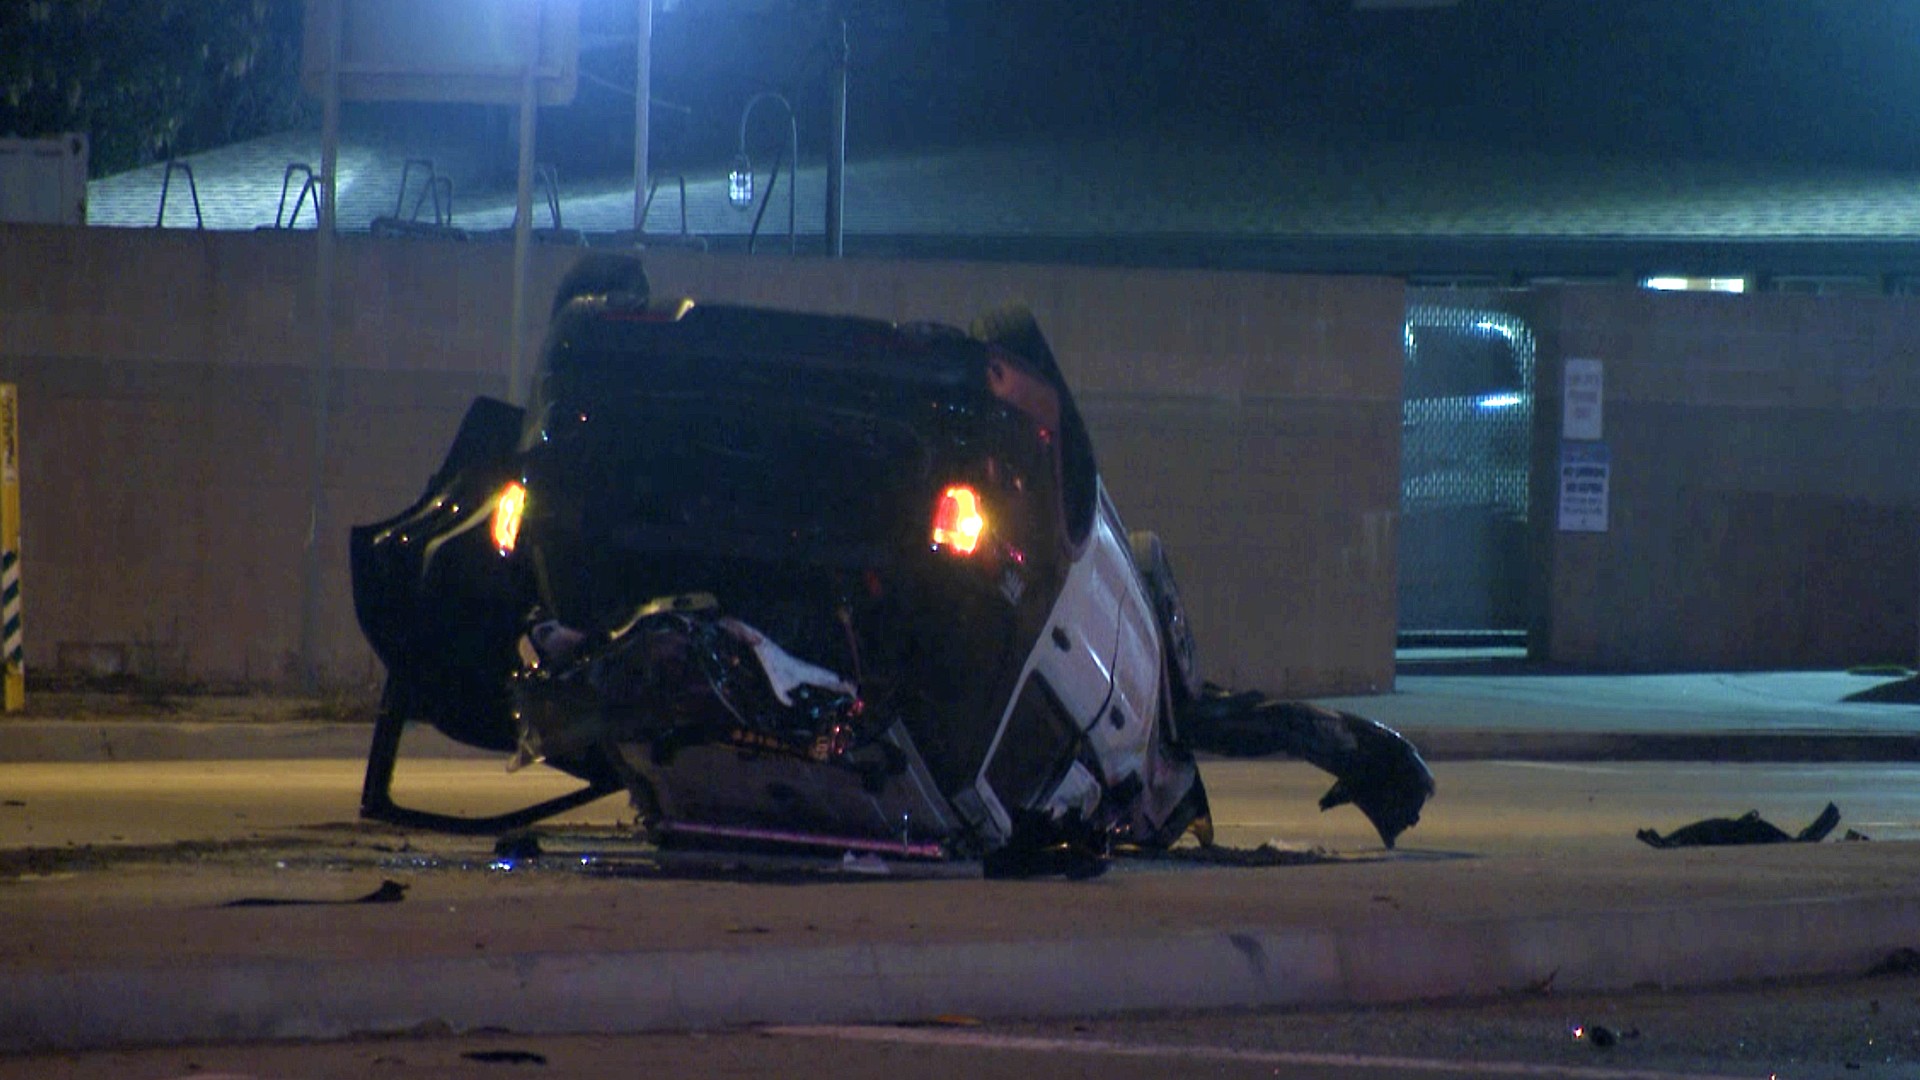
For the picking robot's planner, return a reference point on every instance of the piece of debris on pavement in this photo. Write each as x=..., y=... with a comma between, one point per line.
x=505, y=1057
x=1748, y=828
x=1600, y=1035
x=1270, y=853
x=389, y=892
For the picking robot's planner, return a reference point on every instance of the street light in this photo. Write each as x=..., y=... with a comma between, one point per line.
x=740, y=179
x=740, y=183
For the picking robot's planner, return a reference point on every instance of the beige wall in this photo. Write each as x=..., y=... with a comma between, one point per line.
x=1765, y=500
x=1253, y=420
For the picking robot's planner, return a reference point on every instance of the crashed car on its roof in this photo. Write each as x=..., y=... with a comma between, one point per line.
x=814, y=581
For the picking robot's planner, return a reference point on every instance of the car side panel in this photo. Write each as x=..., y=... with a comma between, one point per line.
x=1122, y=735
x=1100, y=656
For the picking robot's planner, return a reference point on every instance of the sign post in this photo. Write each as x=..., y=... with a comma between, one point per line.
x=12, y=641
x=523, y=52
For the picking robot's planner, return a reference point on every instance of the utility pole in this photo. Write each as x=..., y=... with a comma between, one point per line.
x=837, y=153
x=320, y=372
x=642, y=103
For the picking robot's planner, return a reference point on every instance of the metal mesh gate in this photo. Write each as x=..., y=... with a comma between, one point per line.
x=1467, y=424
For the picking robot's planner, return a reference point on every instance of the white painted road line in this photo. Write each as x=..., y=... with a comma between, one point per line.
x=978, y=1040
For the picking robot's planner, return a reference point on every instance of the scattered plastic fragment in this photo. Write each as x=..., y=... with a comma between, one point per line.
x=1748, y=828
x=389, y=892
x=1374, y=767
x=1600, y=1035
x=518, y=846
x=1269, y=853
x=505, y=1057
x=854, y=863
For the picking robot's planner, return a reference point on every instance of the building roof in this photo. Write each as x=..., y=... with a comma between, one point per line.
x=1403, y=207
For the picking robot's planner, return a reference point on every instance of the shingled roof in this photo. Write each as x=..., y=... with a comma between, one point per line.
x=1116, y=195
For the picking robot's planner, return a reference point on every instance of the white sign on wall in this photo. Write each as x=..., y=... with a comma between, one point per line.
x=1585, y=473
x=1582, y=412
x=444, y=50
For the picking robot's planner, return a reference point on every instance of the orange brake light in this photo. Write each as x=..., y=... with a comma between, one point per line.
x=958, y=523
x=506, y=516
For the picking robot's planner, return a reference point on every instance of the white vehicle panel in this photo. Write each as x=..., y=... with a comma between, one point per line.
x=1122, y=733
x=1075, y=654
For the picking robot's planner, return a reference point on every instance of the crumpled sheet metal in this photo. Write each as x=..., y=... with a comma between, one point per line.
x=1374, y=767
x=1748, y=828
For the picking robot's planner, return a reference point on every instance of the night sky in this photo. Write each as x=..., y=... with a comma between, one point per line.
x=1731, y=79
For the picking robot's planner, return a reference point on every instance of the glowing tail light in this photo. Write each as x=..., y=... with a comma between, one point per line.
x=506, y=517
x=958, y=523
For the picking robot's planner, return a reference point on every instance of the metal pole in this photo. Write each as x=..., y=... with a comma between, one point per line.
x=320, y=375
x=837, y=153
x=642, y=104
x=523, y=211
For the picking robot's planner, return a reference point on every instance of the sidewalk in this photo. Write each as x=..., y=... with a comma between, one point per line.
x=1745, y=716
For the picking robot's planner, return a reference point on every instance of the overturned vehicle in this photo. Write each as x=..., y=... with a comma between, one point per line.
x=819, y=582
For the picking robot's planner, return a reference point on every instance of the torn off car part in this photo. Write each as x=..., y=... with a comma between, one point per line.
x=814, y=582
x=1374, y=767
x=389, y=892
x=1748, y=828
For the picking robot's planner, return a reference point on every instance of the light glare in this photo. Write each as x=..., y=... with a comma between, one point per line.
x=506, y=517
x=957, y=521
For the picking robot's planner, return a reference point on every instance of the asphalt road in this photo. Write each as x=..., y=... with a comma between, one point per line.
x=1562, y=833
x=1486, y=808
x=1861, y=1028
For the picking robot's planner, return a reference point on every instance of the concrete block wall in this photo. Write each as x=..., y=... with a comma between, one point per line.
x=168, y=442
x=1764, y=505
x=168, y=435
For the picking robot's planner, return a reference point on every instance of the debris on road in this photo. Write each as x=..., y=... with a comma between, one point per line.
x=1748, y=828
x=505, y=1057
x=1600, y=1035
x=389, y=892
x=1268, y=854
x=1375, y=767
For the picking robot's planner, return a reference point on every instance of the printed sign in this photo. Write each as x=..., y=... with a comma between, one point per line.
x=1585, y=472
x=1582, y=412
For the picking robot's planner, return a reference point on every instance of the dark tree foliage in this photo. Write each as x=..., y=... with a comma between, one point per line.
x=149, y=78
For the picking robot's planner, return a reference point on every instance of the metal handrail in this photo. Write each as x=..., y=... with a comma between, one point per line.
x=166, y=181
x=310, y=186
x=653, y=188
x=432, y=187
x=549, y=176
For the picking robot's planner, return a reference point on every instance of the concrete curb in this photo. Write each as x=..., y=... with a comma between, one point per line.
x=1453, y=744
x=103, y=740
x=612, y=993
